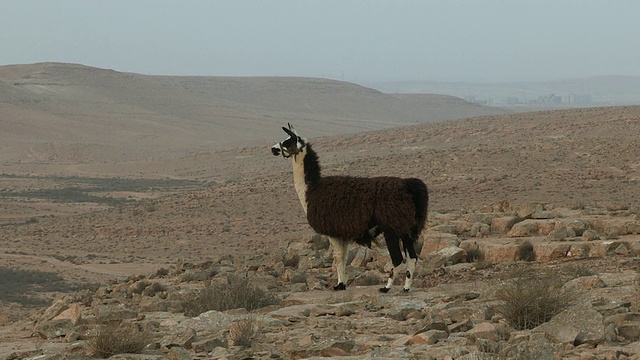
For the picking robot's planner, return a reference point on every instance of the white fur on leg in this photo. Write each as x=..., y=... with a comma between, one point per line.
x=392, y=277
x=411, y=269
x=340, y=253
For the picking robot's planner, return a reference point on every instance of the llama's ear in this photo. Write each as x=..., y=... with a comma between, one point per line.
x=288, y=131
x=293, y=130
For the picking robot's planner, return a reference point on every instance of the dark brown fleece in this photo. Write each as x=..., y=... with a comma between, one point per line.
x=347, y=207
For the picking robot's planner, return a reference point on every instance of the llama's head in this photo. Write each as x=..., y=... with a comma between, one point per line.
x=292, y=145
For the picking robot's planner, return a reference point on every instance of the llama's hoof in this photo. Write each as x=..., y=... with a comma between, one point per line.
x=340, y=286
x=405, y=290
x=384, y=290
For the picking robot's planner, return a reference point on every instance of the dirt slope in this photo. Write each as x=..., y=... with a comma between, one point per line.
x=72, y=114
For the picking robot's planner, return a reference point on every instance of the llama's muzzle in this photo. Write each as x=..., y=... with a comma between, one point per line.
x=275, y=150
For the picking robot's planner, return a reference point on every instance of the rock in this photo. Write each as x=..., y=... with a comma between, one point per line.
x=615, y=227
x=503, y=224
x=318, y=242
x=627, y=325
x=524, y=229
x=590, y=235
x=580, y=324
x=179, y=338
x=461, y=327
x=73, y=313
x=560, y=233
x=179, y=353
x=429, y=337
x=362, y=257
x=54, y=310
x=579, y=250
x=333, y=352
x=578, y=226
x=209, y=344
x=528, y=210
x=400, y=312
x=432, y=324
x=585, y=283
x=447, y=256
x=547, y=251
x=480, y=230
x=630, y=331
x=55, y=328
x=603, y=248
x=484, y=330
x=437, y=241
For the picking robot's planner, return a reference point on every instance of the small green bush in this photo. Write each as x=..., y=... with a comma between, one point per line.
x=531, y=298
x=236, y=293
x=111, y=339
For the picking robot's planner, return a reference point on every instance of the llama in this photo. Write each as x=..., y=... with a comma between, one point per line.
x=356, y=209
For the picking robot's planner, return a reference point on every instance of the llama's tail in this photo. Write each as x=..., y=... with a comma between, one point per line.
x=420, y=194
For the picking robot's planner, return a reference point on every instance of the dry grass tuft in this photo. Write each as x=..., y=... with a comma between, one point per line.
x=532, y=297
x=244, y=332
x=475, y=255
x=236, y=293
x=112, y=339
x=526, y=252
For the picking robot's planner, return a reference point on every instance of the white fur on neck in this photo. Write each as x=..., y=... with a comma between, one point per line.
x=298, y=178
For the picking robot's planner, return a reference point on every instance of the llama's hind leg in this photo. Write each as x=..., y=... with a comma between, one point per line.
x=393, y=245
x=340, y=253
x=409, y=247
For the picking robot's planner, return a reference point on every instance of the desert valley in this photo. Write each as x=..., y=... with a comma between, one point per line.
x=124, y=198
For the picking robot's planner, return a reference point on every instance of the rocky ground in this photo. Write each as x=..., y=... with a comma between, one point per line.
x=454, y=311
x=511, y=197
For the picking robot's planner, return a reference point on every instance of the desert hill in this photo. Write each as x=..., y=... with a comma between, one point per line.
x=67, y=114
x=106, y=176
x=564, y=182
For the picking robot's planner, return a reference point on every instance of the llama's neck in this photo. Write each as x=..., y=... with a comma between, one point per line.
x=306, y=172
x=298, y=178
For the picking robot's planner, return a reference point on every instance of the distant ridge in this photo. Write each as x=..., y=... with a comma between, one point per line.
x=71, y=113
x=602, y=90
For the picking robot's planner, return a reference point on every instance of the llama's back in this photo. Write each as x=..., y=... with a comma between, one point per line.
x=346, y=207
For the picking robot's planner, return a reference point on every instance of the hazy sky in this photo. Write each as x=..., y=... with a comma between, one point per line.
x=354, y=40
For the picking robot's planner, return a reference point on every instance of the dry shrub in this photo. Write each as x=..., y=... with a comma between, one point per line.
x=117, y=338
x=531, y=298
x=475, y=255
x=236, y=293
x=291, y=260
x=526, y=252
x=244, y=332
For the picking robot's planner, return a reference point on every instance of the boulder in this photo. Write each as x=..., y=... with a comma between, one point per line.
x=524, y=229
x=54, y=328
x=528, y=210
x=590, y=235
x=503, y=224
x=580, y=324
x=560, y=233
x=447, y=256
x=434, y=242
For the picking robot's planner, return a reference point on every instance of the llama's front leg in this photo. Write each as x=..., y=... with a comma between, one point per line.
x=340, y=252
